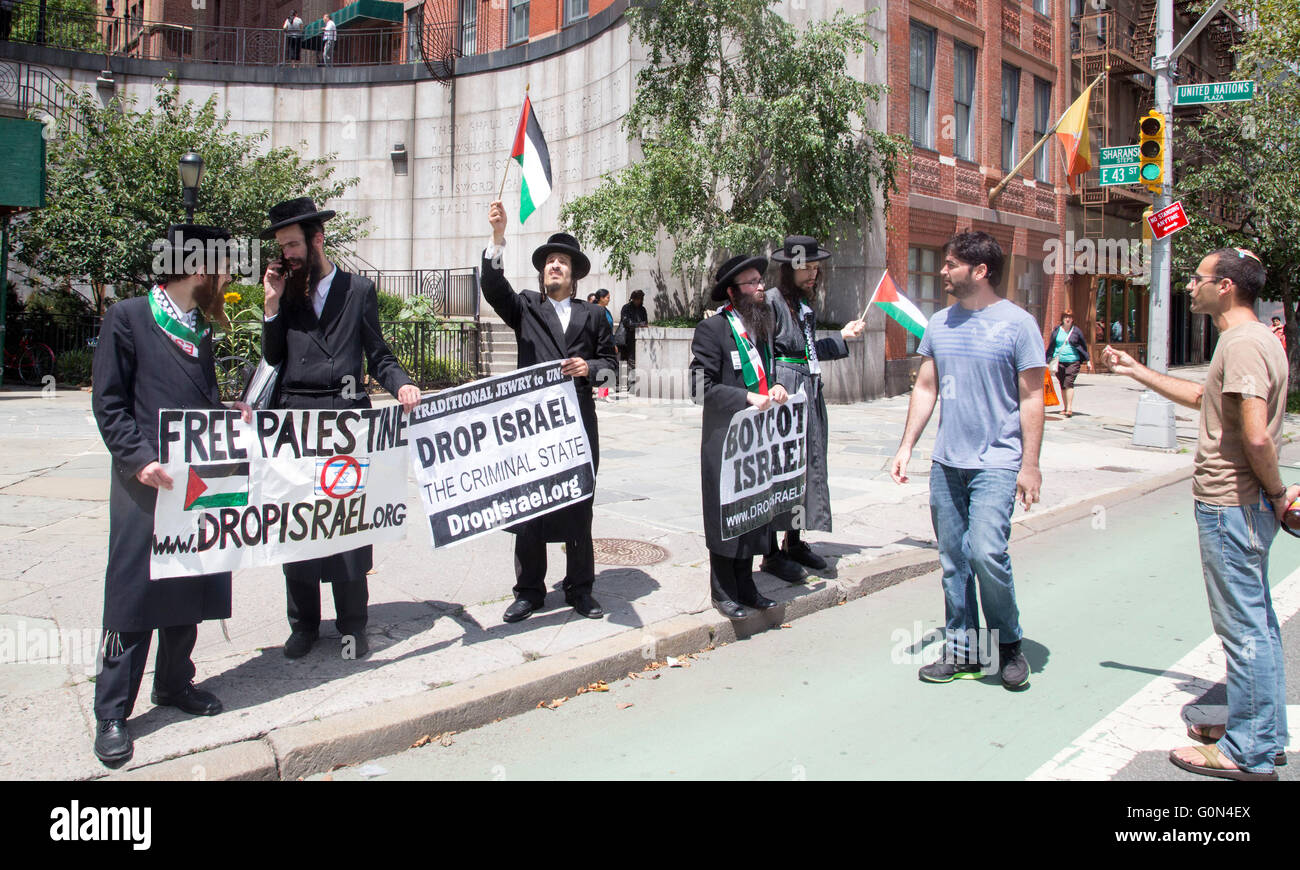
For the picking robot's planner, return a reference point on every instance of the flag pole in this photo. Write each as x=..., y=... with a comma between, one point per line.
x=873, y=295
x=504, y=175
x=1021, y=165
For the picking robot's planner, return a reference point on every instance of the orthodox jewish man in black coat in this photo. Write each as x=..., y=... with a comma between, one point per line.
x=154, y=352
x=731, y=369
x=320, y=323
x=554, y=326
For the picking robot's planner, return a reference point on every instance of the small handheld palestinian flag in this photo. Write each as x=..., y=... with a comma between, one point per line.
x=891, y=300
x=534, y=161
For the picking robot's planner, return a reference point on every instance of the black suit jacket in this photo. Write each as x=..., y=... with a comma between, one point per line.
x=539, y=339
x=324, y=355
x=320, y=362
x=719, y=386
x=137, y=372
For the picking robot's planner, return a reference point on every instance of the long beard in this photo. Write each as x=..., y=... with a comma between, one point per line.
x=211, y=301
x=300, y=283
x=757, y=315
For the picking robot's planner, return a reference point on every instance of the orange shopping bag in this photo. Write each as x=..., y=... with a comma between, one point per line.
x=1050, y=399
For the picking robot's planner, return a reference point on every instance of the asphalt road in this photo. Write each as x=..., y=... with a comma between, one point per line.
x=1117, y=633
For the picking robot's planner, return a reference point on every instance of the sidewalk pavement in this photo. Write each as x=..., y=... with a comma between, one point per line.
x=442, y=658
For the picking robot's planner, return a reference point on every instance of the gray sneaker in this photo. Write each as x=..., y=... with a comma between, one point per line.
x=945, y=670
x=1014, y=668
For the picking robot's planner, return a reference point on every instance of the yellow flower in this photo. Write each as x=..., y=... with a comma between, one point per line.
x=232, y=297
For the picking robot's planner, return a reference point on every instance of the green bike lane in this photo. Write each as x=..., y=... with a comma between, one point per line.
x=1108, y=603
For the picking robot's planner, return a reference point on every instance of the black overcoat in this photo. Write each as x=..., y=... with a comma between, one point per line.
x=320, y=362
x=791, y=341
x=718, y=385
x=538, y=339
x=137, y=372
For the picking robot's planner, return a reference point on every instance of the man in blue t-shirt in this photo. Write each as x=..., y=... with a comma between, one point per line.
x=984, y=358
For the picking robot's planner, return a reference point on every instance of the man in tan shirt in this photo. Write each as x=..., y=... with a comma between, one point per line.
x=1240, y=503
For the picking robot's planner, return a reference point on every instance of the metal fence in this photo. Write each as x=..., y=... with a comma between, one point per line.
x=435, y=355
x=453, y=292
x=133, y=36
x=62, y=332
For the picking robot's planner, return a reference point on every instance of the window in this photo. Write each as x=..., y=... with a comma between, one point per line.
x=921, y=75
x=1010, y=109
x=574, y=10
x=1042, y=120
x=1031, y=287
x=924, y=284
x=963, y=87
x=468, y=27
x=518, y=21
x=1043, y=7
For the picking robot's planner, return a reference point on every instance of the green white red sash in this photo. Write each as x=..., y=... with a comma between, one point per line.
x=751, y=362
x=165, y=315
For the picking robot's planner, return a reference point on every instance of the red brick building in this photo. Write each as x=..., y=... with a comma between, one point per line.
x=974, y=84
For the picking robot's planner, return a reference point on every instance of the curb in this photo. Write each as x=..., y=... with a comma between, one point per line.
x=307, y=748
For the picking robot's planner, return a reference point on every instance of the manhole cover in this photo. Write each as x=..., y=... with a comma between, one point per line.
x=625, y=551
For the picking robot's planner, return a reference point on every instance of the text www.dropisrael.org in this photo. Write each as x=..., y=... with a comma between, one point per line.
x=501, y=509
x=758, y=509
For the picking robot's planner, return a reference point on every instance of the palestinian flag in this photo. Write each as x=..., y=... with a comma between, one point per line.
x=223, y=484
x=888, y=298
x=534, y=161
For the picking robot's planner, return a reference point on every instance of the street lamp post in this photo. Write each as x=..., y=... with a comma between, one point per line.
x=191, y=172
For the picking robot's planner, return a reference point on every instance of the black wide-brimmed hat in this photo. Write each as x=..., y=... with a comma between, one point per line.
x=730, y=269
x=294, y=211
x=563, y=243
x=804, y=248
x=178, y=236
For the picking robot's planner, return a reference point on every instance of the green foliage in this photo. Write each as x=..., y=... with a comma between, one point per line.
x=51, y=300
x=750, y=130
x=1245, y=158
x=73, y=367
x=69, y=24
x=113, y=188
x=684, y=322
x=419, y=308
x=390, y=305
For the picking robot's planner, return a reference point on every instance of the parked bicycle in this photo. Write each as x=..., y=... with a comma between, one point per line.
x=34, y=360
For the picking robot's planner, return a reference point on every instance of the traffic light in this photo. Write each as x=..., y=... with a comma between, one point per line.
x=1151, y=150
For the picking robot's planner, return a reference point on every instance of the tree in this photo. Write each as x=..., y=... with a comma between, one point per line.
x=113, y=189
x=1241, y=162
x=750, y=130
x=71, y=24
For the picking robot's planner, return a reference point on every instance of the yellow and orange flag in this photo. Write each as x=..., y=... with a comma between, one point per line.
x=1073, y=135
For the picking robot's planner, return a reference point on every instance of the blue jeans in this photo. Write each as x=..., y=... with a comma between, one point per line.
x=1234, y=558
x=971, y=513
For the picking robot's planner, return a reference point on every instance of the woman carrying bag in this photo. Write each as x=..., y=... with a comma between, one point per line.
x=1066, y=354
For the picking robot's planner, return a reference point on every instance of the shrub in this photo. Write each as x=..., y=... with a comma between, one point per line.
x=73, y=367
x=390, y=306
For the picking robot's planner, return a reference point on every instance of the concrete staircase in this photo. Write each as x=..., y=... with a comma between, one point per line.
x=498, y=353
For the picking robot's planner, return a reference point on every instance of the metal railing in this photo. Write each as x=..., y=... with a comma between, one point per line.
x=1106, y=31
x=453, y=292
x=62, y=332
x=132, y=36
x=435, y=355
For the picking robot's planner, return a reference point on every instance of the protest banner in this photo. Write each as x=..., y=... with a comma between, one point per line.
x=288, y=486
x=500, y=451
x=763, y=462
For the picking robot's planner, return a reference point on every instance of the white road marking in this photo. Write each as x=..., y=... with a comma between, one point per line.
x=1151, y=720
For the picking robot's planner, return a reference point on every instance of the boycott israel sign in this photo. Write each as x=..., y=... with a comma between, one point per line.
x=763, y=460
x=500, y=451
x=290, y=485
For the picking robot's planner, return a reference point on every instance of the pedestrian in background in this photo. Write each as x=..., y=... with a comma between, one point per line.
x=292, y=37
x=631, y=317
x=985, y=456
x=602, y=299
x=1067, y=348
x=1240, y=501
x=329, y=38
x=1280, y=331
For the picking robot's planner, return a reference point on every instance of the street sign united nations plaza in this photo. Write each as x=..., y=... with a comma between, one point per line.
x=1215, y=92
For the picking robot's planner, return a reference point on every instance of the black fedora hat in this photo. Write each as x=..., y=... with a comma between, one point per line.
x=800, y=246
x=730, y=269
x=183, y=240
x=563, y=243
x=294, y=211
